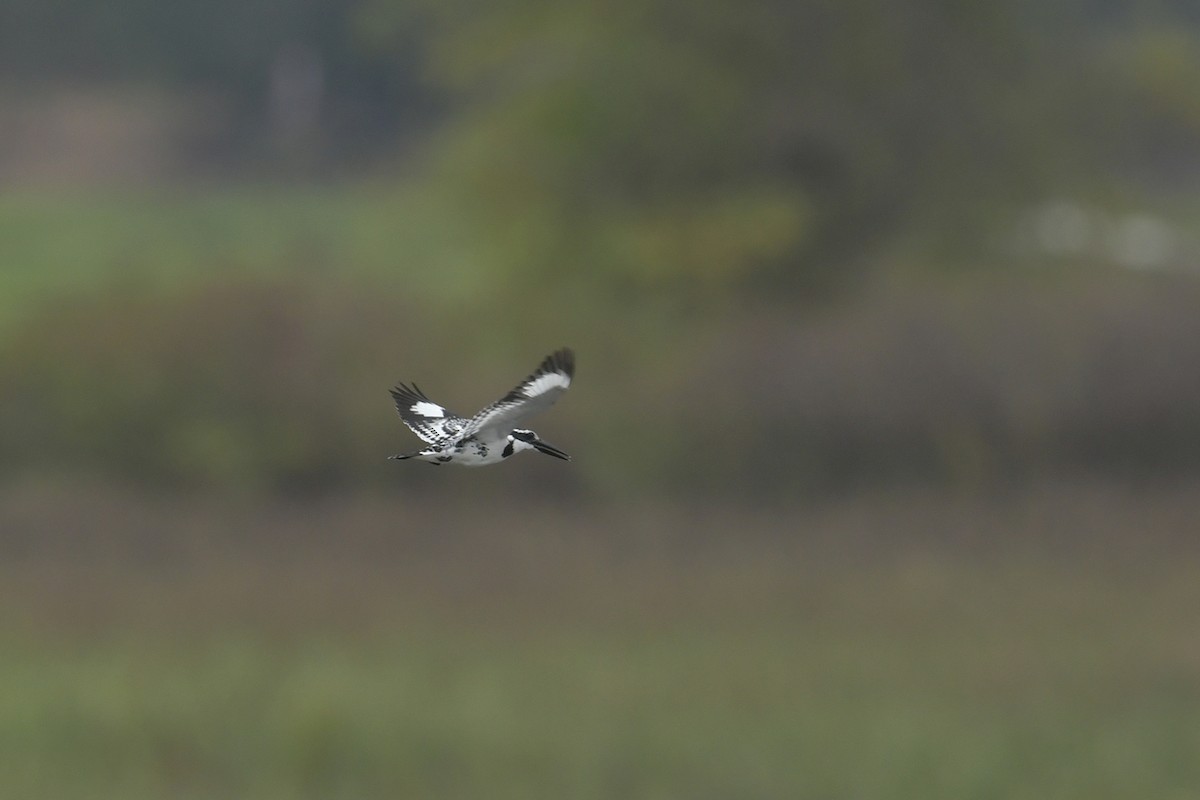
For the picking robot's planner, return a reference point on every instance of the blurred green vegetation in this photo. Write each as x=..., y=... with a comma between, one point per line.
x=804, y=208
x=244, y=341
x=768, y=708
x=885, y=429
x=382, y=648
x=758, y=147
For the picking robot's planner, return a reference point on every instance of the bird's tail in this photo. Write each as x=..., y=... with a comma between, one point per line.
x=402, y=456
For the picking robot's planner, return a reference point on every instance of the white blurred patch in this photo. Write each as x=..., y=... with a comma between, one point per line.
x=1063, y=228
x=544, y=383
x=1140, y=241
x=1143, y=241
x=428, y=409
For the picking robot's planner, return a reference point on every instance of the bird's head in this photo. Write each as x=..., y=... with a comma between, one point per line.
x=524, y=439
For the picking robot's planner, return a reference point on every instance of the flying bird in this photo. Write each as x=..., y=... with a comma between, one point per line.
x=490, y=436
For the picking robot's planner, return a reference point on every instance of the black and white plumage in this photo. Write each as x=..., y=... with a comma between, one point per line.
x=490, y=436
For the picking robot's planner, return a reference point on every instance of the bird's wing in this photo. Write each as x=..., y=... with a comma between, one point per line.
x=534, y=394
x=424, y=417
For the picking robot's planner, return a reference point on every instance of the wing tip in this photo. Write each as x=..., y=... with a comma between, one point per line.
x=402, y=393
x=561, y=360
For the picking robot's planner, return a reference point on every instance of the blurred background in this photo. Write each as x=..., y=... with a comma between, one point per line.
x=886, y=430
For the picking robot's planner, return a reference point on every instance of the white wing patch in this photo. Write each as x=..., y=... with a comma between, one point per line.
x=544, y=383
x=533, y=395
x=427, y=409
x=428, y=420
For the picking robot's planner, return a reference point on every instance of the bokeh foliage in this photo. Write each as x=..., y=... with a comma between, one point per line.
x=723, y=206
x=718, y=143
x=266, y=382
x=392, y=647
x=867, y=500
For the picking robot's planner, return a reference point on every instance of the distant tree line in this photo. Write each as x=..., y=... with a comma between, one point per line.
x=630, y=127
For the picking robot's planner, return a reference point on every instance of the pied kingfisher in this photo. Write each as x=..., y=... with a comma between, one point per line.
x=490, y=436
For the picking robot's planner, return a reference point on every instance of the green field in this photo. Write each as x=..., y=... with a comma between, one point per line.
x=344, y=653
x=74, y=242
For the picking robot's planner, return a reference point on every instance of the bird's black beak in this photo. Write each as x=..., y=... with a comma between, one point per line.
x=549, y=450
